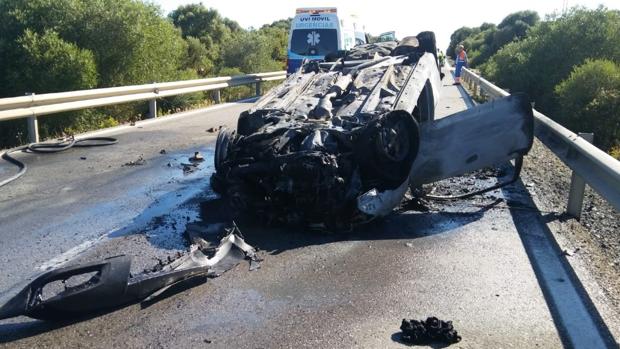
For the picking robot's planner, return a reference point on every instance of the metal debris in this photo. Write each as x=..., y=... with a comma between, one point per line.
x=431, y=330
x=110, y=285
x=197, y=157
x=569, y=253
x=138, y=162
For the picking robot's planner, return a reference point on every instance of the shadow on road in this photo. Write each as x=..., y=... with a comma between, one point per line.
x=575, y=317
x=396, y=337
x=407, y=225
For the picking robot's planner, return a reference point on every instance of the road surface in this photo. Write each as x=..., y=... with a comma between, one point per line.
x=487, y=264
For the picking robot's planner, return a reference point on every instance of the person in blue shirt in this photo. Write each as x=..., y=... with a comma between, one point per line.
x=461, y=61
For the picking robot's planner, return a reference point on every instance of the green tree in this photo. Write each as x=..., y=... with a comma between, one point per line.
x=482, y=42
x=208, y=26
x=458, y=37
x=251, y=53
x=514, y=27
x=589, y=101
x=550, y=51
x=63, y=45
x=130, y=41
x=197, y=58
x=278, y=33
x=50, y=64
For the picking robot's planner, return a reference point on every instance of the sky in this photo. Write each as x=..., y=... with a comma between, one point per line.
x=405, y=17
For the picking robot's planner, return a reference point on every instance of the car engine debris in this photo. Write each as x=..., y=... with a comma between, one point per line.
x=431, y=330
x=339, y=142
x=110, y=284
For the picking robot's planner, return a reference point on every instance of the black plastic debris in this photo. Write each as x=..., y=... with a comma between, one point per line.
x=431, y=330
x=109, y=284
x=189, y=168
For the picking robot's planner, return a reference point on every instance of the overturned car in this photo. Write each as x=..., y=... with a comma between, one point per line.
x=339, y=142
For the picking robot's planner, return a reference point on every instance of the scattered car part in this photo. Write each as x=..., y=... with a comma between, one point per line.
x=431, y=330
x=137, y=162
x=111, y=285
x=338, y=143
x=197, y=157
x=51, y=147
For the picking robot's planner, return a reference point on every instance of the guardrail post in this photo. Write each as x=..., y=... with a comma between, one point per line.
x=33, y=126
x=577, y=187
x=217, y=96
x=152, y=108
x=259, y=88
x=476, y=88
x=33, y=129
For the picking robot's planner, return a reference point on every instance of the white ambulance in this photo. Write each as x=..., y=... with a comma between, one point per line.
x=316, y=32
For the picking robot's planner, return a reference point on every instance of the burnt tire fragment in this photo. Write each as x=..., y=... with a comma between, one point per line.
x=430, y=330
x=222, y=146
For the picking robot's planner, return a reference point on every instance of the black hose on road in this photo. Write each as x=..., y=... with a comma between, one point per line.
x=51, y=148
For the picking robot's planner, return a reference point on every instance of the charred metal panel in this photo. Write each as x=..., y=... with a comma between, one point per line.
x=482, y=136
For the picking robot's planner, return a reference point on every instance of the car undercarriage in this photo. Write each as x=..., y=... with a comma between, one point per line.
x=334, y=145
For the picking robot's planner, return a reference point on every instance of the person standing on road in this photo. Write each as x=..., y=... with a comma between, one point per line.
x=461, y=61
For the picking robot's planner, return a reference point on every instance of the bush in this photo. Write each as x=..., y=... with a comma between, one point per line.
x=51, y=64
x=547, y=55
x=209, y=28
x=589, y=101
x=64, y=45
x=48, y=64
x=251, y=52
x=238, y=92
x=482, y=42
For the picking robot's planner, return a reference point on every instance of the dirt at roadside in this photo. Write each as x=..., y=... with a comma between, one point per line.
x=595, y=239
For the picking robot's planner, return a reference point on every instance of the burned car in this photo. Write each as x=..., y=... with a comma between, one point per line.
x=339, y=142
x=336, y=144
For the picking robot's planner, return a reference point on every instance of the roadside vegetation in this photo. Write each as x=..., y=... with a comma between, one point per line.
x=64, y=45
x=569, y=64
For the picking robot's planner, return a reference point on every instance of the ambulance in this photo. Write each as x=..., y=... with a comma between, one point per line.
x=318, y=31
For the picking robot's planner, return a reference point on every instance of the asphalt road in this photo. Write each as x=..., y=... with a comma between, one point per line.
x=488, y=264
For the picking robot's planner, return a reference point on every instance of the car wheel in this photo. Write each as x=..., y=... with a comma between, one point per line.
x=222, y=145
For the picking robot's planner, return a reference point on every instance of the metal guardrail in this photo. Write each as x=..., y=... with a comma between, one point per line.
x=589, y=164
x=33, y=106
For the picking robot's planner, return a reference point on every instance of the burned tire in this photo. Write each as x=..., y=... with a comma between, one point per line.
x=222, y=146
x=387, y=149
